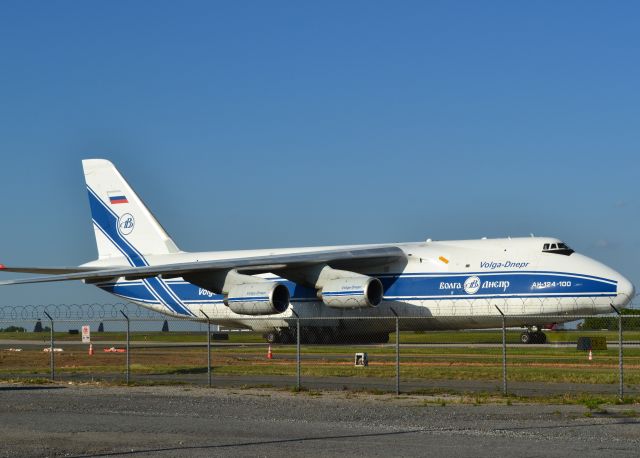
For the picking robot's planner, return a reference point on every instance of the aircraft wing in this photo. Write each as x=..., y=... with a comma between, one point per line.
x=340, y=258
x=47, y=270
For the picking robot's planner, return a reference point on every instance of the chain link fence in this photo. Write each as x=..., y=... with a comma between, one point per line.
x=594, y=354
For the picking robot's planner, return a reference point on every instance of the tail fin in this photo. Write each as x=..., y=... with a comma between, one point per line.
x=122, y=223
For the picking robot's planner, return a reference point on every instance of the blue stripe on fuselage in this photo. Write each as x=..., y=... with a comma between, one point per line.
x=415, y=287
x=525, y=284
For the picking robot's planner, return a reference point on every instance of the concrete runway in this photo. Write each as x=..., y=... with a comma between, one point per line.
x=69, y=420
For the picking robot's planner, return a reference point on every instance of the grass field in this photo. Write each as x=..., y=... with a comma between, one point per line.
x=530, y=363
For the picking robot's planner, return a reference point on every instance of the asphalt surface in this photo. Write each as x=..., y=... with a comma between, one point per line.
x=8, y=343
x=69, y=420
x=327, y=383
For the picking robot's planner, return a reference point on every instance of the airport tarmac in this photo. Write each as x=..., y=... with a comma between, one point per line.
x=92, y=420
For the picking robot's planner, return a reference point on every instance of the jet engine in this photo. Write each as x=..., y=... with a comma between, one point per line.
x=352, y=292
x=260, y=297
x=245, y=294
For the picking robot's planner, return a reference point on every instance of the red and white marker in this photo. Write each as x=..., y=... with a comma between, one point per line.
x=590, y=355
x=269, y=353
x=90, y=349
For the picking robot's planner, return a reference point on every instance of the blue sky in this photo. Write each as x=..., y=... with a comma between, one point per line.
x=269, y=124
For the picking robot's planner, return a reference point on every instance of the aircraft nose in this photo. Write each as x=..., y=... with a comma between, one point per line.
x=626, y=291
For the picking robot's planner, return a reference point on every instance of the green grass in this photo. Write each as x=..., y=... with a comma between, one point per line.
x=525, y=363
x=586, y=375
x=495, y=336
x=154, y=336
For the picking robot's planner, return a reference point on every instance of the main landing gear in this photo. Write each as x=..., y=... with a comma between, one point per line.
x=533, y=337
x=315, y=335
x=282, y=336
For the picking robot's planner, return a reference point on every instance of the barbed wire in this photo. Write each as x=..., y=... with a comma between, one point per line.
x=75, y=311
x=441, y=308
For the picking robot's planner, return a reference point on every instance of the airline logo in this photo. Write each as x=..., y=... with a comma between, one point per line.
x=117, y=198
x=471, y=285
x=126, y=223
x=474, y=284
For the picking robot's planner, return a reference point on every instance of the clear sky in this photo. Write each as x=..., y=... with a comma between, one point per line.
x=271, y=124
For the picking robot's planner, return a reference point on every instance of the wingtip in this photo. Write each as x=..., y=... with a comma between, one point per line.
x=2, y=267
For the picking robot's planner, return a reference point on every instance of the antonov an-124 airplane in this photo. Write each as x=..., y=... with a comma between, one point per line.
x=466, y=284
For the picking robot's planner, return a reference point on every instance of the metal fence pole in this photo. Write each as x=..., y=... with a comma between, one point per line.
x=620, y=356
x=52, y=363
x=397, y=352
x=208, y=348
x=127, y=351
x=298, y=383
x=504, y=352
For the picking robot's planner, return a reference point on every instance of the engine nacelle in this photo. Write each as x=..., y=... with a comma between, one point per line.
x=352, y=292
x=258, y=298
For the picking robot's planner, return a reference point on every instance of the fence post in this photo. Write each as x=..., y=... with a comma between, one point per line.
x=127, y=351
x=504, y=352
x=620, y=355
x=208, y=348
x=298, y=383
x=52, y=363
x=397, y=351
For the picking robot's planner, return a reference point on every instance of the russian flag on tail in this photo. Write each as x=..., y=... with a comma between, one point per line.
x=117, y=198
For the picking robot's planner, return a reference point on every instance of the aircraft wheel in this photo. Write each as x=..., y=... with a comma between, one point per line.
x=312, y=336
x=541, y=337
x=286, y=337
x=526, y=338
x=383, y=338
x=326, y=336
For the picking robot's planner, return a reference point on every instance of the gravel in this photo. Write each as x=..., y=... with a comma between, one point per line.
x=92, y=420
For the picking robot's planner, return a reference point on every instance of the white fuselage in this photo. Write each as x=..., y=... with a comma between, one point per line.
x=442, y=285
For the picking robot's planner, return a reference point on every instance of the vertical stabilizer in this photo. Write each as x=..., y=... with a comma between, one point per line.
x=122, y=223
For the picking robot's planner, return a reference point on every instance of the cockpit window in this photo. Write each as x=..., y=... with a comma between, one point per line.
x=557, y=248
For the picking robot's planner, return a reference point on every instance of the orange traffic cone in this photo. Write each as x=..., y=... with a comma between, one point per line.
x=90, y=349
x=269, y=353
x=590, y=355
